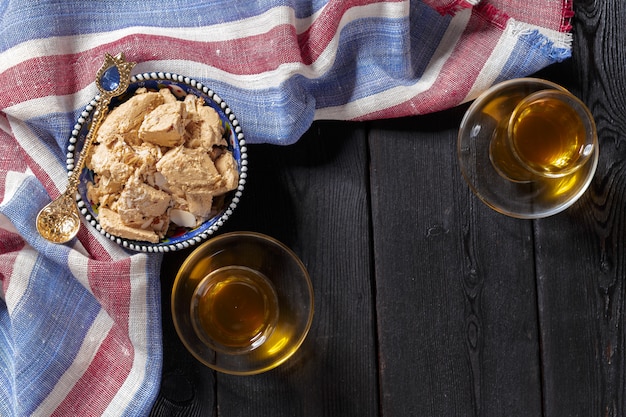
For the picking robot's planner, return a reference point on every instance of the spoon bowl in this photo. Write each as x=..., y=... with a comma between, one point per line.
x=59, y=221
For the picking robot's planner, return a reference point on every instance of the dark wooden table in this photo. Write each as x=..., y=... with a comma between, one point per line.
x=428, y=303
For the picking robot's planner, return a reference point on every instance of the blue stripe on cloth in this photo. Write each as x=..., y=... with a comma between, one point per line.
x=276, y=115
x=7, y=365
x=391, y=52
x=306, y=8
x=425, y=36
x=533, y=52
x=360, y=72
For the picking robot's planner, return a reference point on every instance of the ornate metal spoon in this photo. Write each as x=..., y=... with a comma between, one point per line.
x=59, y=221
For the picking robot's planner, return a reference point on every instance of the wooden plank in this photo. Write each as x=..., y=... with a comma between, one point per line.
x=313, y=197
x=186, y=387
x=455, y=287
x=581, y=262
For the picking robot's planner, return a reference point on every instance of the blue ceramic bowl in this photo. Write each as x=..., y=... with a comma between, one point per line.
x=180, y=86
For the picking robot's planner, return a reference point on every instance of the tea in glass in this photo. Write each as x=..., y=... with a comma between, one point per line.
x=234, y=309
x=549, y=134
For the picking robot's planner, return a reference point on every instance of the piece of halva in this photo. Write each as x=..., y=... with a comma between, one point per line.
x=165, y=125
x=112, y=223
x=125, y=119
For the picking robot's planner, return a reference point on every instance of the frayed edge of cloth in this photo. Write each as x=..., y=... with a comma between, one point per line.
x=553, y=44
x=557, y=49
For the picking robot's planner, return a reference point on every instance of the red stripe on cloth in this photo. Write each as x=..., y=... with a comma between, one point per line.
x=245, y=56
x=108, y=370
x=476, y=43
x=111, y=286
x=492, y=15
x=448, y=7
x=10, y=243
x=568, y=15
x=316, y=38
x=10, y=159
x=41, y=76
x=547, y=13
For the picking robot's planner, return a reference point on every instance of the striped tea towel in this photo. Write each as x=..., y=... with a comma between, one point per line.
x=80, y=323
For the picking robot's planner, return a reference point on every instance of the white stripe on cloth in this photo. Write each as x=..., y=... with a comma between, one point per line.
x=13, y=181
x=90, y=346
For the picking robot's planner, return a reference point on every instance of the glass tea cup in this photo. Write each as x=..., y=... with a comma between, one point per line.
x=549, y=134
x=503, y=180
x=242, y=303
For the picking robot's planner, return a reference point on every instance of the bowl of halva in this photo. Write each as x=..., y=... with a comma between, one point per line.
x=167, y=167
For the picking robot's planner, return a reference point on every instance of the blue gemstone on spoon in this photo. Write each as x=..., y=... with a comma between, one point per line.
x=110, y=80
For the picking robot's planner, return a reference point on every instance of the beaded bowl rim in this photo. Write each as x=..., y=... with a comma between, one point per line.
x=236, y=141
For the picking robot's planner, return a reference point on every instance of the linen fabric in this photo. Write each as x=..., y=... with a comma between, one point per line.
x=80, y=323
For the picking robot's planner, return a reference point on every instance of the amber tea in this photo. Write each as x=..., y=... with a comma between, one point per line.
x=234, y=309
x=549, y=134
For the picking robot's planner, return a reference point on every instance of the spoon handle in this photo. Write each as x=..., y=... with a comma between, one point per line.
x=117, y=69
x=99, y=115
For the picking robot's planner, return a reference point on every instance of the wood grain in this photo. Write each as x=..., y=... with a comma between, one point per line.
x=580, y=259
x=456, y=300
